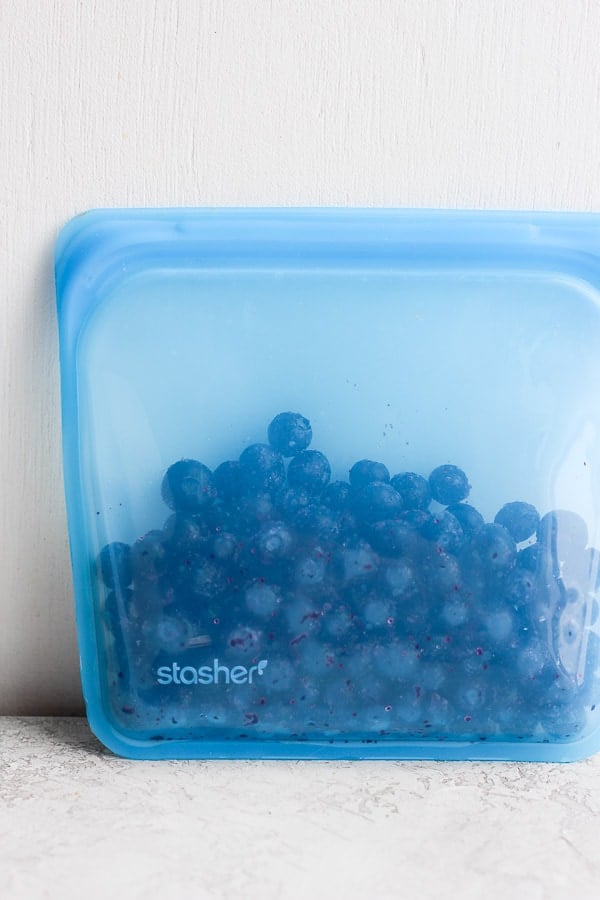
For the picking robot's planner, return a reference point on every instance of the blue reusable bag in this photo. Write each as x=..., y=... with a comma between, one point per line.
x=332, y=481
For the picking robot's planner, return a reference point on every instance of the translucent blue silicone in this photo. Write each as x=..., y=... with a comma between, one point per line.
x=252, y=610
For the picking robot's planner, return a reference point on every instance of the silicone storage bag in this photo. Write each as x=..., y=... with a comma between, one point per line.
x=333, y=481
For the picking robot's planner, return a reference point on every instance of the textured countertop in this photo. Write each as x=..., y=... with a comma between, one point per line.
x=77, y=822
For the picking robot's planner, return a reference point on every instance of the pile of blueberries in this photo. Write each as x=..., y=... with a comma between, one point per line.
x=384, y=607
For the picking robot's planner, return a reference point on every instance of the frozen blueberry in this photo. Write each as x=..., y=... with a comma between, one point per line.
x=311, y=570
x=207, y=580
x=449, y=484
x=291, y=500
x=349, y=525
x=414, y=490
x=501, y=626
x=263, y=469
x=562, y=533
x=365, y=470
x=410, y=711
x=471, y=521
x=441, y=573
x=224, y=547
x=519, y=589
x=433, y=678
x=157, y=593
x=274, y=542
x=228, y=480
x=392, y=537
x=520, y=519
x=378, y=612
x=187, y=534
x=477, y=662
x=397, y=580
x=495, y=547
x=377, y=501
x=188, y=486
x=395, y=660
x=279, y=676
x=309, y=470
x=115, y=565
x=255, y=510
x=471, y=696
x=530, y=557
x=357, y=591
x=454, y=612
x=289, y=433
x=319, y=521
x=262, y=600
x=246, y=563
x=317, y=658
x=445, y=531
x=304, y=618
x=474, y=575
x=166, y=632
x=150, y=556
x=337, y=496
x=339, y=621
x=533, y=659
x=415, y=518
x=245, y=641
x=358, y=561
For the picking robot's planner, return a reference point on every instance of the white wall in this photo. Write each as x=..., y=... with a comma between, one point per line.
x=185, y=102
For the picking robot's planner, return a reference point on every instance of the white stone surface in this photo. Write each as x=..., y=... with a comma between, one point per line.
x=451, y=103
x=76, y=822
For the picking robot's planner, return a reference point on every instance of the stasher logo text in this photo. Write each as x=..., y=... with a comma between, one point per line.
x=213, y=674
